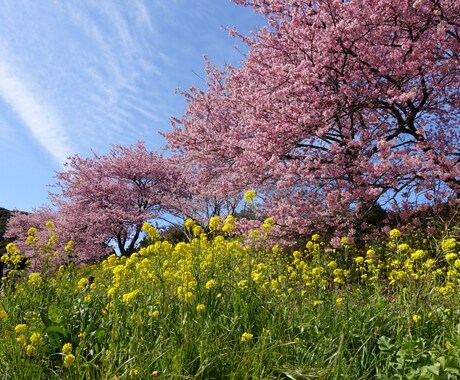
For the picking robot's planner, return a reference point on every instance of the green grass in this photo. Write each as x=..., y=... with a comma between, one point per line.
x=319, y=313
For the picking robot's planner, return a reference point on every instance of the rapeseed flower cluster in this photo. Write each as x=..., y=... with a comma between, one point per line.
x=20, y=328
x=193, y=280
x=83, y=283
x=129, y=297
x=448, y=244
x=246, y=337
x=13, y=256
x=30, y=345
x=68, y=356
x=35, y=279
x=250, y=196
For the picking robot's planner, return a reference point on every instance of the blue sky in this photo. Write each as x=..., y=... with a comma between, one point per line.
x=77, y=75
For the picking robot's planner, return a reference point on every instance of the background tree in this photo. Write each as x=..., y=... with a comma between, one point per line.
x=106, y=199
x=338, y=106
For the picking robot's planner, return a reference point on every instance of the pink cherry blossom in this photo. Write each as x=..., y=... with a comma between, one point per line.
x=338, y=105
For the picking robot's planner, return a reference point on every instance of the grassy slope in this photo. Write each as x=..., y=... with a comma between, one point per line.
x=215, y=309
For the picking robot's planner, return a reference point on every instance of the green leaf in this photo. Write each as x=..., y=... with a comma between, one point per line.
x=385, y=344
x=44, y=317
x=434, y=368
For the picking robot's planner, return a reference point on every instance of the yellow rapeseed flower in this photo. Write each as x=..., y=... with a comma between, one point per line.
x=448, y=244
x=150, y=230
x=128, y=297
x=395, y=234
x=338, y=272
x=230, y=224
x=134, y=372
x=83, y=283
x=210, y=284
x=215, y=223
x=359, y=260
x=13, y=255
x=430, y=263
x=21, y=327
x=50, y=225
x=69, y=360
x=36, y=338
x=67, y=348
x=189, y=224
x=200, y=308
x=418, y=254
x=69, y=247
x=35, y=279
x=189, y=296
x=243, y=284
x=451, y=256
x=3, y=314
x=32, y=231
x=249, y=196
x=155, y=313
x=30, y=350
x=339, y=300
x=416, y=318
x=268, y=224
x=315, y=237
x=246, y=337
x=197, y=231
x=317, y=271
x=310, y=245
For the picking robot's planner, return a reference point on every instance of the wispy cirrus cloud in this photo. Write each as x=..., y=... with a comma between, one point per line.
x=81, y=75
x=110, y=69
x=35, y=114
x=96, y=63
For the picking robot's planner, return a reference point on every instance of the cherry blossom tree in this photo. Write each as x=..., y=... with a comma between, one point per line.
x=337, y=106
x=107, y=198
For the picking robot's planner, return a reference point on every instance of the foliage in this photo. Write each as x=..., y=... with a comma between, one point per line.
x=218, y=307
x=338, y=105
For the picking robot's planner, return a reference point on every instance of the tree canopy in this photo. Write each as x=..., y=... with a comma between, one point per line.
x=337, y=106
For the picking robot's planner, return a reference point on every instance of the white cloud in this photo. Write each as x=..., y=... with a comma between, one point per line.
x=39, y=117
